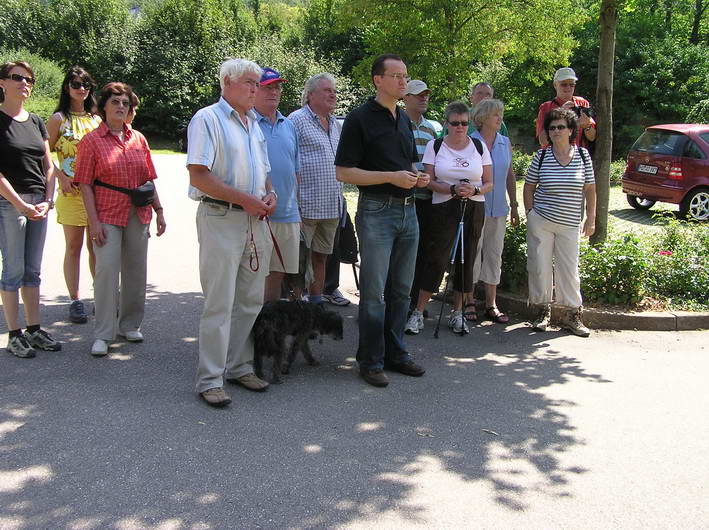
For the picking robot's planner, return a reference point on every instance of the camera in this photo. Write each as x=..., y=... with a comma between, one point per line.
x=588, y=111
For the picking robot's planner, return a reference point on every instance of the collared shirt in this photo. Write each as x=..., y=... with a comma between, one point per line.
x=496, y=200
x=282, y=143
x=374, y=140
x=423, y=133
x=544, y=109
x=128, y=164
x=320, y=191
x=237, y=155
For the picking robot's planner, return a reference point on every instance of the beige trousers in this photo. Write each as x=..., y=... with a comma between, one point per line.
x=553, y=262
x=119, y=285
x=488, y=262
x=233, y=292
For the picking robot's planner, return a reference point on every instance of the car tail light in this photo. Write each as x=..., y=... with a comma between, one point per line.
x=675, y=172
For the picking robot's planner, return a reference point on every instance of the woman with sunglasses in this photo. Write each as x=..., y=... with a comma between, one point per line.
x=460, y=177
x=112, y=160
x=73, y=119
x=26, y=191
x=559, y=181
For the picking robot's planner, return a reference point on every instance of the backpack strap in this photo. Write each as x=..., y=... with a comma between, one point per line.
x=541, y=159
x=439, y=141
x=437, y=145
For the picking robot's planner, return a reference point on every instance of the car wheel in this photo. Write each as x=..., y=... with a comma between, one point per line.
x=639, y=203
x=695, y=205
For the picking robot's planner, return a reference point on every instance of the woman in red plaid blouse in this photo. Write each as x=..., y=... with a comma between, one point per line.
x=117, y=155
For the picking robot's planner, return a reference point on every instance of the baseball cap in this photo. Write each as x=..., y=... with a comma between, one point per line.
x=270, y=76
x=415, y=87
x=562, y=74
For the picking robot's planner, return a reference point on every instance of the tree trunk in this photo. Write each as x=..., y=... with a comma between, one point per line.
x=604, y=116
x=699, y=8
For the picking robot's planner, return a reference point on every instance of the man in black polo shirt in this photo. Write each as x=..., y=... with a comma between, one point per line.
x=377, y=153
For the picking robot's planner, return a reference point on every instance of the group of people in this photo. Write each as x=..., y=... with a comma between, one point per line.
x=270, y=187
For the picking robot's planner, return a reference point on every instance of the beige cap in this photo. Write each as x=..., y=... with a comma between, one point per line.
x=562, y=74
x=415, y=87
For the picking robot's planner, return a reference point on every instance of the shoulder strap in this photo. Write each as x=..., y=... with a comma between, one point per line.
x=478, y=145
x=541, y=159
x=439, y=141
x=437, y=145
x=583, y=156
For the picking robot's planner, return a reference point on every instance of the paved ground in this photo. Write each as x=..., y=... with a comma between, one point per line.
x=508, y=429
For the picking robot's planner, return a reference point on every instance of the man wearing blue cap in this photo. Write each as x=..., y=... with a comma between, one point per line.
x=282, y=143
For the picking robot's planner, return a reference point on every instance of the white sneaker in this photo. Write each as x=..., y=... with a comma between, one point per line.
x=99, y=348
x=133, y=336
x=415, y=323
x=457, y=323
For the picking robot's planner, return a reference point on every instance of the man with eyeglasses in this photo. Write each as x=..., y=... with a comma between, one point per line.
x=565, y=84
x=228, y=165
x=377, y=152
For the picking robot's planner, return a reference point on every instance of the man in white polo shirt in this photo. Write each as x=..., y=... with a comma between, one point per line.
x=228, y=166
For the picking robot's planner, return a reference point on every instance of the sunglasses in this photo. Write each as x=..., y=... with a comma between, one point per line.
x=120, y=102
x=458, y=123
x=19, y=78
x=76, y=85
x=568, y=84
x=557, y=127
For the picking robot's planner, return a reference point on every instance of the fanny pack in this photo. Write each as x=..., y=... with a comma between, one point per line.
x=140, y=196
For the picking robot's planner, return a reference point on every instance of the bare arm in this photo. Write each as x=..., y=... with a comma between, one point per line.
x=528, y=196
x=98, y=236
x=159, y=214
x=202, y=179
x=9, y=193
x=362, y=177
x=53, y=125
x=589, y=193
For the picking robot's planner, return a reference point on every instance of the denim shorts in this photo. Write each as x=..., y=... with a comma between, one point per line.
x=22, y=244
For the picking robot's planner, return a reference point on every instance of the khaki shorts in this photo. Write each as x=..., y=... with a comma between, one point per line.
x=320, y=234
x=288, y=237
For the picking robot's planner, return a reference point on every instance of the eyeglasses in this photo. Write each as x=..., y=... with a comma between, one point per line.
x=458, y=123
x=571, y=85
x=76, y=85
x=557, y=127
x=119, y=102
x=19, y=78
x=399, y=77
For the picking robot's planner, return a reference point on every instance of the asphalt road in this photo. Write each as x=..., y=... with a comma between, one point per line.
x=508, y=428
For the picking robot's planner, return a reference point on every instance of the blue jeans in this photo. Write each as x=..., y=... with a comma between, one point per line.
x=388, y=237
x=22, y=244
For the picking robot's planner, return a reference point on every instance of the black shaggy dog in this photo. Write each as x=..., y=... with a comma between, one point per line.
x=302, y=321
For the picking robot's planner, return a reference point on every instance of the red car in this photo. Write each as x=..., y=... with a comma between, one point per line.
x=670, y=163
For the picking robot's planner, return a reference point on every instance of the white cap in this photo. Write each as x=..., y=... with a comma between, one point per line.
x=415, y=87
x=562, y=74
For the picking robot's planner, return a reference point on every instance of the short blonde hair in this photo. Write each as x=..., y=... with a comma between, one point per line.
x=484, y=109
x=235, y=68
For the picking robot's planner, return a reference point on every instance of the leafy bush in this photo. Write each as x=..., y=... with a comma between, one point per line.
x=617, y=170
x=699, y=113
x=514, y=258
x=520, y=162
x=49, y=74
x=613, y=272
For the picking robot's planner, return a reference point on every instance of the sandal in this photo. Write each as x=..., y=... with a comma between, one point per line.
x=470, y=315
x=496, y=315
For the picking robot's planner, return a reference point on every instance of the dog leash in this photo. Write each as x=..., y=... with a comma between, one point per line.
x=275, y=244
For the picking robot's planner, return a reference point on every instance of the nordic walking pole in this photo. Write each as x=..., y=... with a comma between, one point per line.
x=458, y=238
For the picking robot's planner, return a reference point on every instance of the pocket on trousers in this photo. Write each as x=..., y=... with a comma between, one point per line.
x=372, y=205
x=214, y=210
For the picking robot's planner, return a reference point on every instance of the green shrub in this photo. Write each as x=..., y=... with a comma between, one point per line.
x=520, y=162
x=613, y=272
x=617, y=170
x=49, y=74
x=514, y=258
x=699, y=113
x=678, y=264
x=43, y=107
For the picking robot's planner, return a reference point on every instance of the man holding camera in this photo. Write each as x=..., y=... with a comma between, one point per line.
x=565, y=84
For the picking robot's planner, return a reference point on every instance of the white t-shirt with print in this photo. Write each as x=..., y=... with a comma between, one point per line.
x=452, y=166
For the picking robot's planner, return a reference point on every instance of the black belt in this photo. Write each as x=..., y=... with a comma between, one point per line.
x=229, y=205
x=391, y=199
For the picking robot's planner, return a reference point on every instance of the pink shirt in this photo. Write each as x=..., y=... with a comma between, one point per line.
x=451, y=166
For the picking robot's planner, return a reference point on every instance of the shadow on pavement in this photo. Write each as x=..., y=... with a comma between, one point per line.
x=123, y=441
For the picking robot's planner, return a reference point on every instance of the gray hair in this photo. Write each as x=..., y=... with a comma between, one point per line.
x=484, y=109
x=481, y=83
x=235, y=68
x=311, y=85
x=456, y=107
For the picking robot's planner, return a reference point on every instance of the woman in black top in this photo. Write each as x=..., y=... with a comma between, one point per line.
x=26, y=191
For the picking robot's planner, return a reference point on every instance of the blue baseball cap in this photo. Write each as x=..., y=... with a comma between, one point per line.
x=270, y=76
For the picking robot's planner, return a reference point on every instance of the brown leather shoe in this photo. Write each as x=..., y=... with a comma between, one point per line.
x=215, y=397
x=375, y=377
x=250, y=382
x=406, y=368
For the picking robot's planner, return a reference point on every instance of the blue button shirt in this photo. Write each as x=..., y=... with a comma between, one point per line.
x=496, y=201
x=282, y=144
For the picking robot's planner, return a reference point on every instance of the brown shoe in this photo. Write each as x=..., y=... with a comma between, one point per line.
x=250, y=382
x=572, y=321
x=375, y=377
x=215, y=397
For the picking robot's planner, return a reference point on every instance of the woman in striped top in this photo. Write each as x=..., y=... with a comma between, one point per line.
x=558, y=182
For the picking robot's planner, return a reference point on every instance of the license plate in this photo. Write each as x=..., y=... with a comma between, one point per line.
x=652, y=170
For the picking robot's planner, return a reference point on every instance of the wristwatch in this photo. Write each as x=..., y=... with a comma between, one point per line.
x=274, y=193
x=477, y=191
x=50, y=202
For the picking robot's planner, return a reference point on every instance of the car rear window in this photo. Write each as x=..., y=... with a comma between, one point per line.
x=661, y=142
x=705, y=137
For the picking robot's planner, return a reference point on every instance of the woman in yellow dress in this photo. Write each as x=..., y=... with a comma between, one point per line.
x=73, y=119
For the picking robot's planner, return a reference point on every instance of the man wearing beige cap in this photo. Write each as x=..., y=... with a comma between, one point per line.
x=565, y=84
